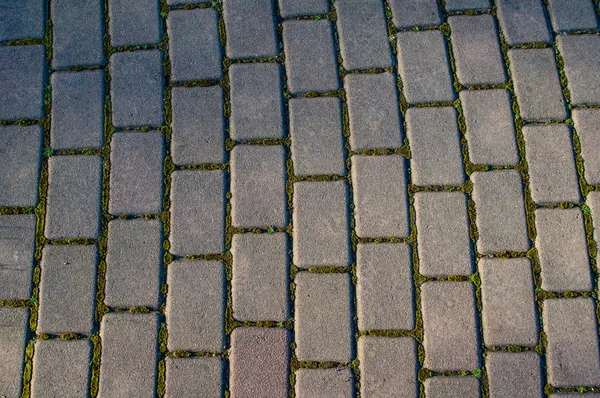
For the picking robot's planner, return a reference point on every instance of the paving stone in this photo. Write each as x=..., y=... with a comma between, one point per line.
x=198, y=125
x=256, y=101
x=463, y=5
x=184, y=2
x=387, y=367
x=477, y=50
x=22, y=78
x=538, y=89
x=250, y=27
x=258, y=186
x=20, y=161
x=562, y=247
x=194, y=47
x=490, y=127
x=575, y=395
x=587, y=126
x=134, y=23
x=581, y=55
x=129, y=355
x=509, y=316
x=373, y=111
x=295, y=8
x=408, y=13
x=514, y=374
x=317, y=140
x=523, y=21
x=61, y=368
x=452, y=387
x=196, y=306
x=380, y=197
x=17, y=247
x=136, y=88
x=323, y=325
x=436, y=157
x=260, y=286
x=450, y=332
x=259, y=362
x=384, y=291
x=363, y=35
x=133, y=263
x=320, y=224
x=549, y=153
x=197, y=212
x=310, y=56
x=77, y=109
x=189, y=377
x=423, y=67
x=74, y=194
x=136, y=173
x=501, y=222
x=67, y=289
x=317, y=383
x=593, y=201
x=443, y=234
x=572, y=351
x=77, y=33
x=572, y=15
x=13, y=331
x=22, y=20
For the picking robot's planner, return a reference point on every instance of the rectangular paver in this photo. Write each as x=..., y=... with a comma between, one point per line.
x=260, y=286
x=538, y=89
x=593, y=201
x=363, y=34
x=189, y=377
x=61, y=368
x=194, y=47
x=129, y=355
x=384, y=292
x=562, y=248
x=198, y=125
x=295, y=8
x=463, y=5
x=13, y=332
x=587, y=126
x=490, y=127
x=323, y=325
x=310, y=56
x=77, y=109
x=523, y=21
x=74, y=193
x=20, y=162
x=134, y=23
x=509, y=315
x=551, y=162
x=581, y=55
x=373, y=111
x=136, y=88
x=17, y=248
x=258, y=186
x=380, y=197
x=567, y=15
x=317, y=140
x=256, y=101
x=197, y=212
x=433, y=135
x=77, y=33
x=315, y=383
x=67, y=289
x=501, y=222
x=409, y=13
x=424, y=68
x=452, y=387
x=259, y=362
x=572, y=353
x=320, y=224
x=250, y=27
x=450, y=333
x=133, y=263
x=443, y=234
x=476, y=50
x=387, y=367
x=22, y=20
x=136, y=173
x=514, y=374
x=196, y=291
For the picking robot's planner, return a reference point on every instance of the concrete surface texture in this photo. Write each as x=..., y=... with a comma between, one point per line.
x=299, y=198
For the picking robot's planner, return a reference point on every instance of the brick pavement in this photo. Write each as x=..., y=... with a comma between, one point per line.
x=299, y=198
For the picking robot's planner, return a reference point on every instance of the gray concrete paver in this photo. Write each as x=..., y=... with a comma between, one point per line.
x=452, y=387
x=17, y=249
x=513, y=374
x=408, y=13
x=523, y=21
x=587, y=127
x=22, y=20
x=13, y=332
x=134, y=23
x=581, y=55
x=189, y=377
x=296, y=8
x=250, y=27
x=317, y=383
x=572, y=15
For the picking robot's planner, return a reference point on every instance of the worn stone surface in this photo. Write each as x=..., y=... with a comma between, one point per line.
x=523, y=21
x=134, y=23
x=408, y=13
x=17, y=248
x=250, y=27
x=295, y=8
x=452, y=387
x=463, y=5
x=316, y=383
x=587, y=126
x=572, y=15
x=581, y=55
x=22, y=20
x=188, y=377
x=13, y=331
x=512, y=374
